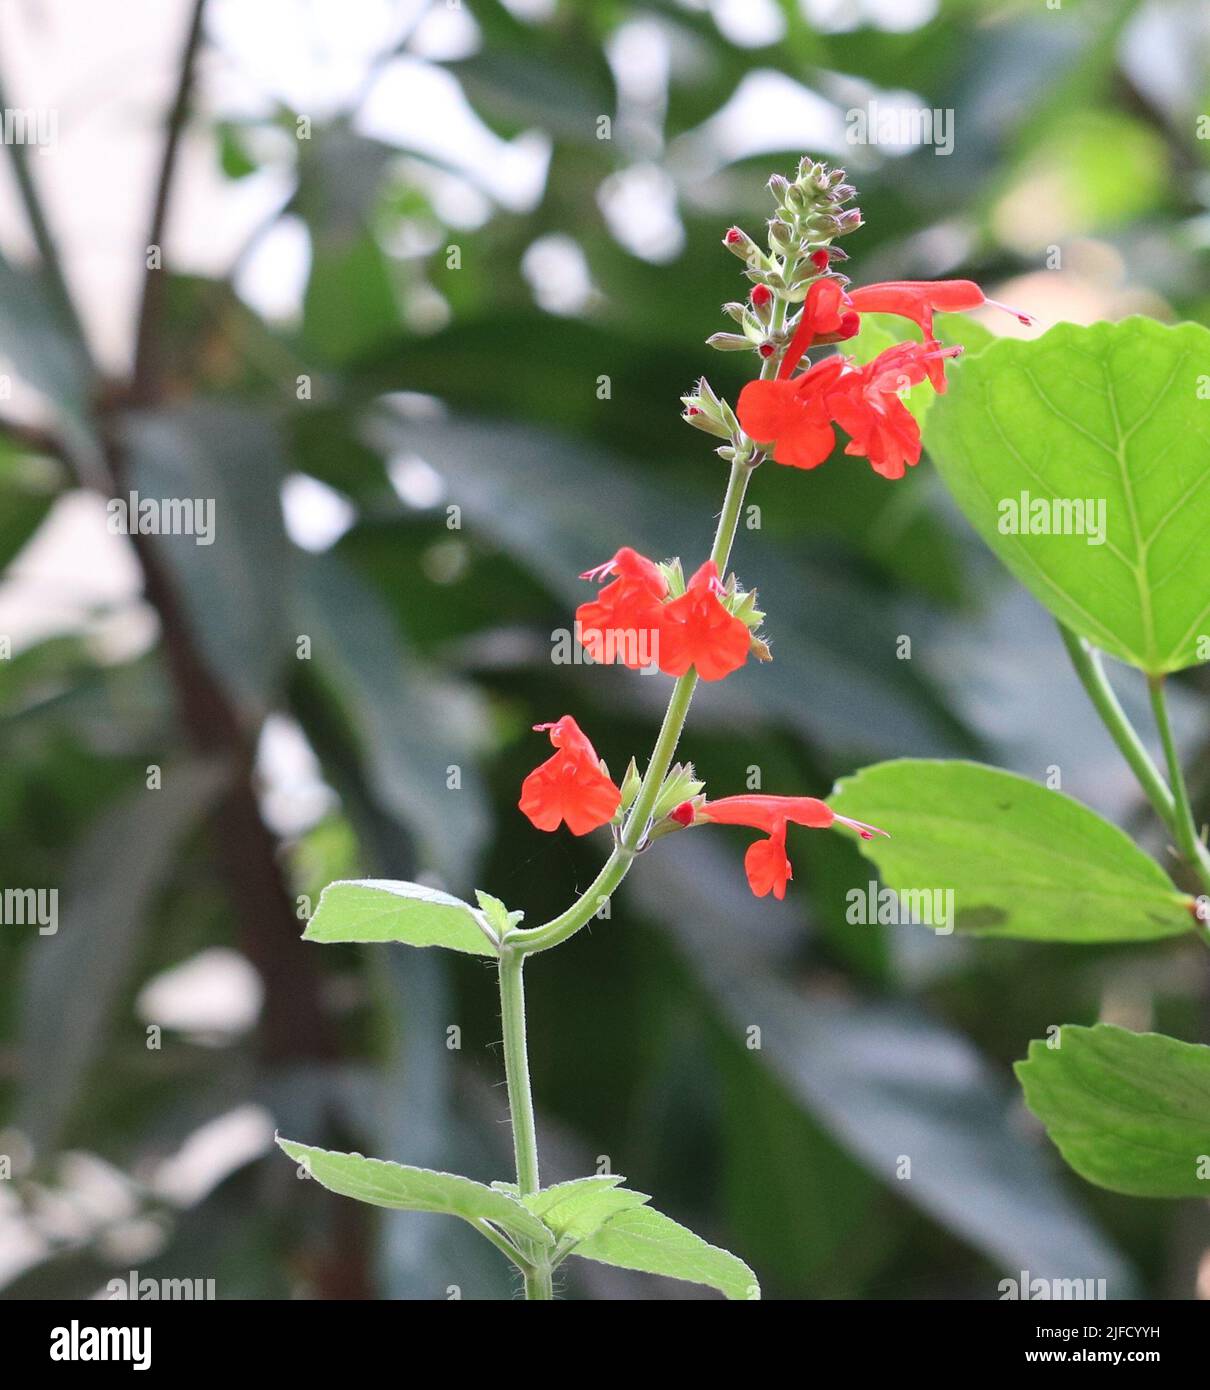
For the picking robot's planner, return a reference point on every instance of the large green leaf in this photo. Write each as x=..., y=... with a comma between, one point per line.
x=1020, y=860
x=379, y=909
x=1111, y=416
x=395, y=1185
x=649, y=1241
x=1128, y=1111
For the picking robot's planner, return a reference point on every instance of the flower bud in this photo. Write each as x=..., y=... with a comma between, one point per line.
x=740, y=244
x=781, y=236
x=761, y=296
x=728, y=342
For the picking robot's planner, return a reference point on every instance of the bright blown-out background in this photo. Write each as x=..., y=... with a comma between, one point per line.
x=579, y=261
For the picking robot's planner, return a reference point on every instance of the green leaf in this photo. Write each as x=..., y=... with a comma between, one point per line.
x=76, y=976
x=574, y=1210
x=234, y=572
x=407, y=761
x=383, y=1184
x=1019, y=859
x=647, y=1240
x=380, y=909
x=1106, y=421
x=1128, y=1111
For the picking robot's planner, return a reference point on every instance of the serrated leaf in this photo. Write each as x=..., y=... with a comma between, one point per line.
x=1020, y=860
x=1113, y=416
x=574, y=1210
x=1128, y=1111
x=395, y=1185
x=380, y=909
x=648, y=1241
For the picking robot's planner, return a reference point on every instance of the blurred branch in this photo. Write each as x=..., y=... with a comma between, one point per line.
x=144, y=382
x=47, y=250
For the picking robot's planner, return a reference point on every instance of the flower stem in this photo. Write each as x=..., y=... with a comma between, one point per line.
x=1087, y=663
x=1188, y=841
x=521, y=1104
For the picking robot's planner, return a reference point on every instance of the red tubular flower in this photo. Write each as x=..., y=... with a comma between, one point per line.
x=697, y=630
x=765, y=862
x=826, y=318
x=919, y=300
x=570, y=786
x=622, y=622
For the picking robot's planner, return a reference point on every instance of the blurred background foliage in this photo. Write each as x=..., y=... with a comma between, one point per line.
x=455, y=293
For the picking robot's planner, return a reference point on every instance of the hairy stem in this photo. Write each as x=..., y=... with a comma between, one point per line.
x=521, y=1105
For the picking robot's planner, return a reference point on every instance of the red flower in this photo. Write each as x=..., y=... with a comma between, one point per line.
x=826, y=317
x=798, y=415
x=793, y=415
x=767, y=866
x=919, y=300
x=765, y=862
x=571, y=786
x=622, y=622
x=866, y=404
x=697, y=630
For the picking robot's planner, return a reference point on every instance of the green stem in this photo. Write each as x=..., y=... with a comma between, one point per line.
x=1188, y=841
x=530, y=940
x=521, y=1105
x=1087, y=663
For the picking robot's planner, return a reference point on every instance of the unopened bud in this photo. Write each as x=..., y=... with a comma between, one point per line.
x=819, y=259
x=766, y=350
x=762, y=296
x=682, y=814
x=728, y=342
x=740, y=244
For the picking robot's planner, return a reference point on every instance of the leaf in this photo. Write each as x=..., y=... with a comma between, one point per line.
x=407, y=757
x=1128, y=1111
x=574, y=1210
x=379, y=909
x=884, y=1078
x=1103, y=417
x=1020, y=860
x=649, y=1241
x=395, y=1185
x=234, y=588
x=75, y=976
